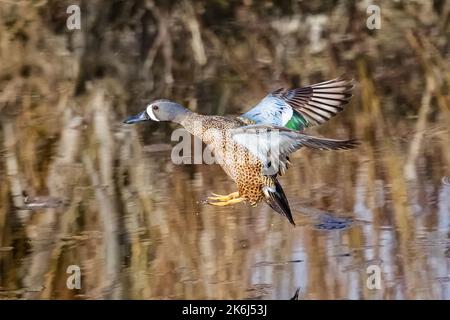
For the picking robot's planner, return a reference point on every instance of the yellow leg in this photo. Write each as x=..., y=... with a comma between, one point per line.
x=226, y=203
x=219, y=197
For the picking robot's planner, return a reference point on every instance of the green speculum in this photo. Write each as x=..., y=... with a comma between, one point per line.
x=297, y=122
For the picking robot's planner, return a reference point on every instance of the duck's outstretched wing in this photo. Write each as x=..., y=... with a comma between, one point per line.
x=302, y=107
x=273, y=144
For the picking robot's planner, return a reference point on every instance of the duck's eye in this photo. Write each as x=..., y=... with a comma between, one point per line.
x=155, y=107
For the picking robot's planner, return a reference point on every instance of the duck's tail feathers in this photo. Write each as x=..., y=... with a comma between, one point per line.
x=277, y=200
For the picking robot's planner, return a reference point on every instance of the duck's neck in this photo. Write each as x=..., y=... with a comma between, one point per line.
x=193, y=122
x=181, y=116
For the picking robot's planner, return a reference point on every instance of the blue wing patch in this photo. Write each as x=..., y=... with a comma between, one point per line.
x=271, y=110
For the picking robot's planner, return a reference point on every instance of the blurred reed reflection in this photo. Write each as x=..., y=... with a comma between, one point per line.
x=161, y=242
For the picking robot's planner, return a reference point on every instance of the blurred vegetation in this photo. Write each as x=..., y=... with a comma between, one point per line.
x=63, y=94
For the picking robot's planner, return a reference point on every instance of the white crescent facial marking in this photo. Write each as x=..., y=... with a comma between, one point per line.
x=150, y=113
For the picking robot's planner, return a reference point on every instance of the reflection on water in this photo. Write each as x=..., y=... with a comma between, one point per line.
x=350, y=211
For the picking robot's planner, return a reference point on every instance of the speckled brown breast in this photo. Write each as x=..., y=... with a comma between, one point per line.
x=235, y=159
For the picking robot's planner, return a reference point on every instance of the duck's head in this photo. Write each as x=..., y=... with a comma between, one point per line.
x=160, y=110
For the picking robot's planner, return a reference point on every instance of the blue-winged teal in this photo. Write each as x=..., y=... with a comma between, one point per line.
x=254, y=148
